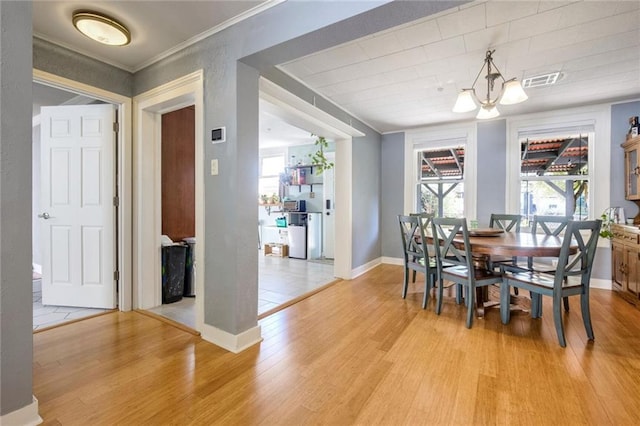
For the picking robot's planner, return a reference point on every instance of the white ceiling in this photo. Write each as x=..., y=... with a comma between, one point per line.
x=408, y=76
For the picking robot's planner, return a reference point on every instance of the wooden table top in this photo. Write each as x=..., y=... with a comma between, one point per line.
x=517, y=244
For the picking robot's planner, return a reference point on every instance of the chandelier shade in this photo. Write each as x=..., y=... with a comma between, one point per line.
x=511, y=92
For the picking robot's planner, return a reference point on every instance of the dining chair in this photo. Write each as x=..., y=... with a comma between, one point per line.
x=508, y=223
x=425, y=219
x=416, y=253
x=570, y=278
x=455, y=263
x=548, y=225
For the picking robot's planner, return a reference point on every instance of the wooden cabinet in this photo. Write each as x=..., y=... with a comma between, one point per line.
x=625, y=261
x=632, y=168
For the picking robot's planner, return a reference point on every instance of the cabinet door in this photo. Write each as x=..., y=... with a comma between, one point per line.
x=618, y=264
x=633, y=262
x=631, y=170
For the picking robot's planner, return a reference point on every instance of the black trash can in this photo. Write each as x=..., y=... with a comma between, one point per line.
x=189, y=273
x=174, y=259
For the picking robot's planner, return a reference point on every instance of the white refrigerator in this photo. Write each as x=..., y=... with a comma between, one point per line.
x=297, y=241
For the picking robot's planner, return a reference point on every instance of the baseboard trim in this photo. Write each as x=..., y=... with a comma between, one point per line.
x=392, y=260
x=365, y=268
x=235, y=343
x=600, y=283
x=25, y=416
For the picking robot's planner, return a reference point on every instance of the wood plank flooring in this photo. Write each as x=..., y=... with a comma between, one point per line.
x=356, y=353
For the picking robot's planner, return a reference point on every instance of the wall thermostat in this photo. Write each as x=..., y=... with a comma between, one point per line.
x=218, y=135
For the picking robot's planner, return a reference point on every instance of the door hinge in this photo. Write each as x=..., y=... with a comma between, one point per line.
x=116, y=201
x=116, y=275
x=115, y=126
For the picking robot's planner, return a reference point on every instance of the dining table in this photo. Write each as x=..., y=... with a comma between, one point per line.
x=487, y=242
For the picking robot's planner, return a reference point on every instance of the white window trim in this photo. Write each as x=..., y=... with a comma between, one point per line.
x=435, y=137
x=599, y=147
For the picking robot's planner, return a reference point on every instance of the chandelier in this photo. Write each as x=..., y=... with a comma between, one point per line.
x=511, y=93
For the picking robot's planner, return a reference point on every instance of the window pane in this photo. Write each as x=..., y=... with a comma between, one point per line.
x=444, y=163
x=442, y=199
x=269, y=186
x=272, y=166
x=554, y=198
x=558, y=156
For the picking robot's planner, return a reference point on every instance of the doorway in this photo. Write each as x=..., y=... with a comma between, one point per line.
x=50, y=90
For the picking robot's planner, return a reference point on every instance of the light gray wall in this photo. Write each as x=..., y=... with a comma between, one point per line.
x=392, y=193
x=491, y=169
x=16, y=338
x=366, y=210
x=35, y=196
x=284, y=32
x=63, y=62
x=620, y=114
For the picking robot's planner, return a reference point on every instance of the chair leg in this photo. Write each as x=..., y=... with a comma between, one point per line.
x=536, y=301
x=565, y=300
x=557, y=319
x=459, y=294
x=471, y=305
x=586, y=315
x=505, y=297
x=440, y=296
x=414, y=277
x=428, y=280
x=405, y=285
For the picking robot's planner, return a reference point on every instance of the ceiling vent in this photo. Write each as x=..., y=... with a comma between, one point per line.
x=541, y=80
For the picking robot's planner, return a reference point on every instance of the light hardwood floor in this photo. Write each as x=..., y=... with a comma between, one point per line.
x=355, y=353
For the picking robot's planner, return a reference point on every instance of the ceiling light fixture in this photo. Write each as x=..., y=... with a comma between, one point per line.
x=101, y=28
x=511, y=93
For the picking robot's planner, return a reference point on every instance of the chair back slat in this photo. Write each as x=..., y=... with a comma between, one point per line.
x=425, y=223
x=585, y=235
x=506, y=222
x=550, y=225
x=413, y=233
x=444, y=232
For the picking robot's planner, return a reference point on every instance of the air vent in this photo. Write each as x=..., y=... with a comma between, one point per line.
x=541, y=80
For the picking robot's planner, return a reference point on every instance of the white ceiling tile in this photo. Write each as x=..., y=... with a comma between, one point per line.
x=399, y=60
x=552, y=4
x=463, y=22
x=487, y=38
x=337, y=57
x=337, y=75
x=535, y=24
x=380, y=46
x=445, y=48
x=417, y=35
x=583, y=12
x=501, y=12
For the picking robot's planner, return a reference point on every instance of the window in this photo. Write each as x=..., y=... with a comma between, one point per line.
x=441, y=181
x=554, y=174
x=270, y=169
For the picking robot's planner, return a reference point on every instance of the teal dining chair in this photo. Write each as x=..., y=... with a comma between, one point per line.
x=570, y=278
x=416, y=253
x=455, y=263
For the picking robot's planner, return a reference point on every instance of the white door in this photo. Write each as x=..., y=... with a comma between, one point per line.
x=328, y=210
x=77, y=203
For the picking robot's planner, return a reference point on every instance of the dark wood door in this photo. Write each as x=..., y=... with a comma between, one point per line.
x=178, y=174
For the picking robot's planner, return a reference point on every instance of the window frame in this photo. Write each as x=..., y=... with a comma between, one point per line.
x=447, y=136
x=549, y=123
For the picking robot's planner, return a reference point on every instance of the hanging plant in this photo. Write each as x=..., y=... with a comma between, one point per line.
x=318, y=158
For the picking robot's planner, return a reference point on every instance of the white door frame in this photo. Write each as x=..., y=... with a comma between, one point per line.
x=298, y=110
x=148, y=108
x=124, y=166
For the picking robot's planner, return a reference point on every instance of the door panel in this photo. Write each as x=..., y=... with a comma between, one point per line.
x=78, y=216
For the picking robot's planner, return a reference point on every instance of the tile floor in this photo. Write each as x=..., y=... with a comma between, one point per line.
x=47, y=316
x=280, y=279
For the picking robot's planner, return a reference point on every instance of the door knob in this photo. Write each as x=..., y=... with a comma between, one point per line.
x=44, y=215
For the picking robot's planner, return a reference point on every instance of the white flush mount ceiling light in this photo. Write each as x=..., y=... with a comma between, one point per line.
x=101, y=28
x=511, y=92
